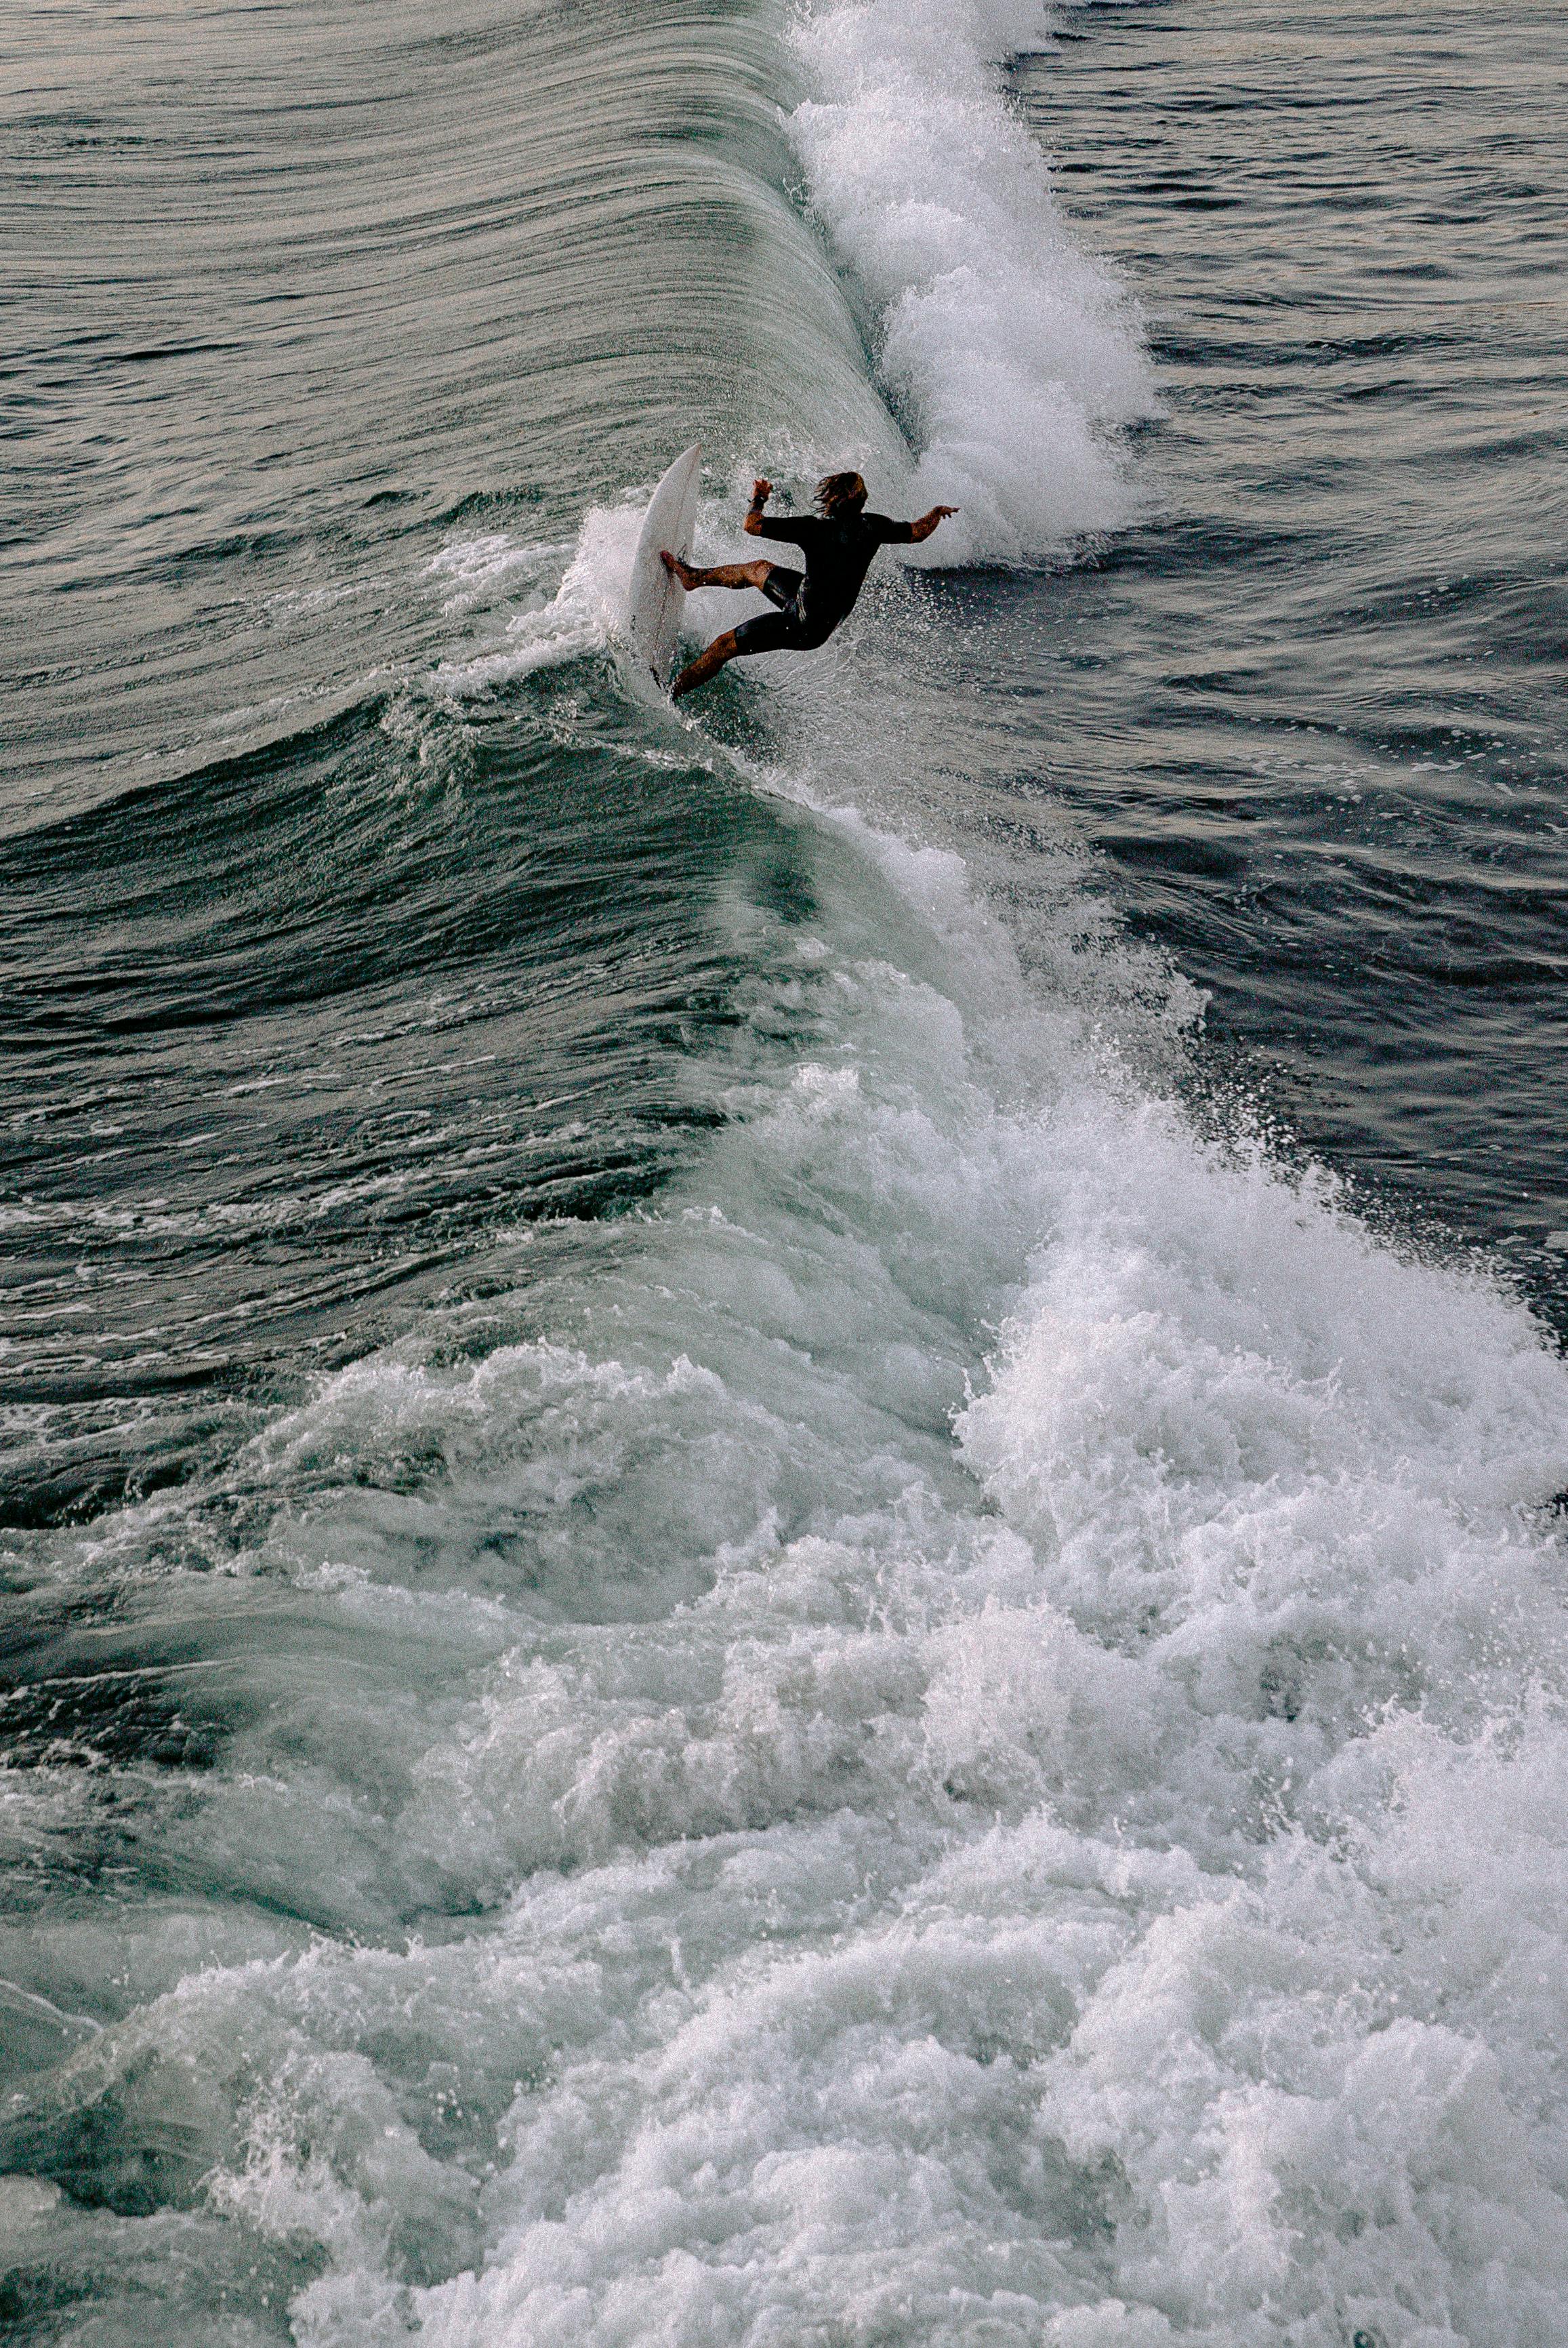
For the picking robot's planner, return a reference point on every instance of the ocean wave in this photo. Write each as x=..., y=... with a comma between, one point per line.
x=1011, y=358
x=1096, y=1885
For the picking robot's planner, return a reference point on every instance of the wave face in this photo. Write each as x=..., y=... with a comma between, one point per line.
x=728, y=1618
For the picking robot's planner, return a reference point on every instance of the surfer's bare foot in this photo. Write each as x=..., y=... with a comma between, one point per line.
x=681, y=571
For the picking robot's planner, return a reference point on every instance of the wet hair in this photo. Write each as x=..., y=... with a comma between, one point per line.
x=839, y=493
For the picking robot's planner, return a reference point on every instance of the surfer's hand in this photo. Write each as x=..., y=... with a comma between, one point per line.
x=921, y=529
x=761, y=492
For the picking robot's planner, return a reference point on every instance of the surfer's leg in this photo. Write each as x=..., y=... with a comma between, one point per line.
x=706, y=665
x=769, y=632
x=722, y=574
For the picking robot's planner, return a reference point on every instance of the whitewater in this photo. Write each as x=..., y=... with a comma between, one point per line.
x=948, y=1729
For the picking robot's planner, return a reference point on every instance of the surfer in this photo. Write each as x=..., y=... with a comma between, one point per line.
x=837, y=543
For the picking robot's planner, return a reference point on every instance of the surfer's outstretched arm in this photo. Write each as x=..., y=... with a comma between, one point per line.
x=753, y=525
x=915, y=533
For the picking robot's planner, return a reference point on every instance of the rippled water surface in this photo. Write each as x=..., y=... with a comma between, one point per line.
x=782, y=1489
x=1317, y=714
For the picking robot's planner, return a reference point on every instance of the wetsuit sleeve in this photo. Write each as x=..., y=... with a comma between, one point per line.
x=891, y=534
x=796, y=529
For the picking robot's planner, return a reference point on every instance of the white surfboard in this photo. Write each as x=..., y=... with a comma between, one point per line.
x=654, y=598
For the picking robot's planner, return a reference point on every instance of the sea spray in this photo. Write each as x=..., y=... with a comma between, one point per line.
x=1010, y=356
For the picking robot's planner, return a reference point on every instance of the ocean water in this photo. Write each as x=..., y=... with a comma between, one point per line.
x=783, y=1487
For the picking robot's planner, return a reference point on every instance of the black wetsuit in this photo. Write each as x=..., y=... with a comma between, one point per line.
x=838, y=552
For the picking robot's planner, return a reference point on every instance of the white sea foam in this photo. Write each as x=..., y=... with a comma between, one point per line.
x=1134, y=1912
x=1010, y=354
x=471, y=570
x=582, y=613
x=1097, y=1885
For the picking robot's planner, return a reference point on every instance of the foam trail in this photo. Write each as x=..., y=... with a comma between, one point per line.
x=1076, y=1955
x=582, y=616
x=1009, y=353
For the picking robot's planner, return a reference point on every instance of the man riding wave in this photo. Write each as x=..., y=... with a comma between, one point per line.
x=838, y=544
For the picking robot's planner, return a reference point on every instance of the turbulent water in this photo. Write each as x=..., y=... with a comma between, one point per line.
x=783, y=1487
